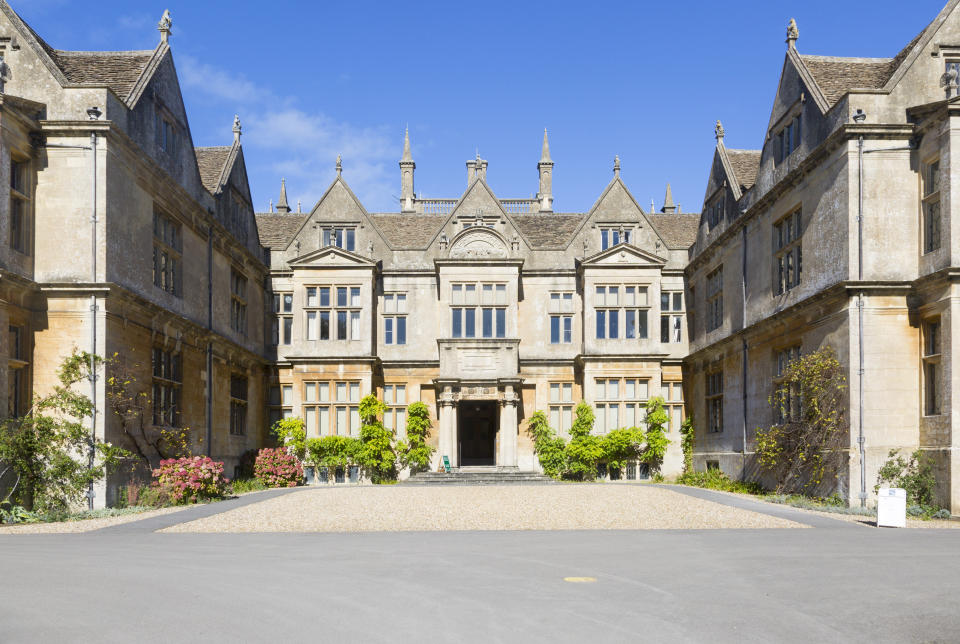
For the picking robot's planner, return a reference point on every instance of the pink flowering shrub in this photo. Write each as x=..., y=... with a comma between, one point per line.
x=277, y=468
x=190, y=480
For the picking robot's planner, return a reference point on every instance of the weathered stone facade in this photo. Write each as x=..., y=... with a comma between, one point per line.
x=798, y=263
x=112, y=238
x=486, y=309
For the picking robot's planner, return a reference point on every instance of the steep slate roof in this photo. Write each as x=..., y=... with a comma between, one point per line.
x=210, y=162
x=276, y=230
x=408, y=231
x=548, y=231
x=677, y=230
x=836, y=76
x=746, y=165
x=118, y=70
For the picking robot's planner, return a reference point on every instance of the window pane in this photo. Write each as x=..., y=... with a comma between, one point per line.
x=629, y=295
x=601, y=390
x=323, y=421
x=601, y=419
x=311, y=297
x=401, y=418
x=604, y=239
x=678, y=301
x=287, y=330
x=354, y=392
x=342, y=428
x=310, y=392
x=487, y=315
x=568, y=302
x=501, y=323
x=643, y=389
x=555, y=418
x=487, y=294
x=311, y=325
x=665, y=301
x=388, y=394
x=457, y=297
x=629, y=324
x=310, y=418
x=629, y=388
x=325, y=296
x=355, y=325
x=568, y=330
x=554, y=392
x=567, y=419
x=613, y=293
x=401, y=330
x=288, y=302
x=599, y=297
x=554, y=303
x=613, y=421
x=642, y=324
x=470, y=327
x=470, y=293
x=567, y=392
x=388, y=419
x=614, y=323
x=341, y=296
x=401, y=303
x=642, y=296
x=389, y=304
x=341, y=391
x=629, y=416
x=554, y=329
x=501, y=293
x=457, y=323
x=601, y=325
x=324, y=325
x=401, y=394
x=388, y=330
x=613, y=389
x=354, y=421
x=351, y=241
x=324, y=388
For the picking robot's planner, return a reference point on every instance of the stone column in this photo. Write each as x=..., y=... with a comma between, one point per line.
x=448, y=424
x=508, y=429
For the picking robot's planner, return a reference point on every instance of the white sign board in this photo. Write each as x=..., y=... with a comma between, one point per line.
x=892, y=507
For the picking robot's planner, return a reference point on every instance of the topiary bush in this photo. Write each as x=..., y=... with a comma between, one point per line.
x=190, y=480
x=277, y=467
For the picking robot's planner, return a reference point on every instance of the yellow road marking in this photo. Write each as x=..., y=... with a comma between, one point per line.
x=580, y=580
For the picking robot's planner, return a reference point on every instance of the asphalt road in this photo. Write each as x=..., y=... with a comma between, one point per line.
x=835, y=582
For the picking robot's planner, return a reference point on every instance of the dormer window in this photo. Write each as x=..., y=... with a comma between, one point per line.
x=166, y=133
x=340, y=237
x=714, y=211
x=786, y=140
x=613, y=236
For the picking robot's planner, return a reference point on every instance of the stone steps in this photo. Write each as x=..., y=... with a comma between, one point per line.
x=479, y=478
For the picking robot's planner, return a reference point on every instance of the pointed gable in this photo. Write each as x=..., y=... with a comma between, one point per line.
x=623, y=256
x=332, y=257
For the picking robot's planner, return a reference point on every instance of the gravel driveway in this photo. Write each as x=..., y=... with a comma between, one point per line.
x=553, y=507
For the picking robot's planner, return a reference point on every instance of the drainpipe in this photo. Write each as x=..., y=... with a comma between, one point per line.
x=860, y=117
x=743, y=355
x=209, y=435
x=93, y=306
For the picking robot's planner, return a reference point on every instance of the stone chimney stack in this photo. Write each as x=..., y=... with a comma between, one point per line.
x=545, y=168
x=407, y=166
x=471, y=171
x=282, y=206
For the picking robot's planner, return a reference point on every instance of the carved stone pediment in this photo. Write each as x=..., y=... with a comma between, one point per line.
x=479, y=243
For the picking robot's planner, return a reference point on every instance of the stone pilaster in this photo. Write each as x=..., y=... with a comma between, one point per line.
x=507, y=459
x=448, y=426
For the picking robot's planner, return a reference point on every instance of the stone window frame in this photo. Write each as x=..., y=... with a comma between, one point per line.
x=604, y=309
x=17, y=370
x=282, y=332
x=561, y=316
x=238, y=222
x=781, y=360
x=166, y=131
x=715, y=298
x=788, y=136
x=395, y=319
x=342, y=236
x=395, y=416
x=614, y=234
x=167, y=253
x=280, y=402
x=348, y=309
x=561, y=405
x=713, y=397
x=672, y=315
x=464, y=313
x=715, y=208
x=620, y=403
x=21, y=204
x=327, y=402
x=673, y=403
x=166, y=367
x=930, y=205
x=932, y=365
x=788, y=251
x=238, y=301
x=239, y=399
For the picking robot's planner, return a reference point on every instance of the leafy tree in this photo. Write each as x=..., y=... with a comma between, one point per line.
x=549, y=448
x=584, y=450
x=46, y=451
x=414, y=452
x=621, y=446
x=131, y=404
x=377, y=454
x=655, y=438
x=807, y=445
x=292, y=434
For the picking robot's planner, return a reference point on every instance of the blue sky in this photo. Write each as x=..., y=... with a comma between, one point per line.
x=643, y=80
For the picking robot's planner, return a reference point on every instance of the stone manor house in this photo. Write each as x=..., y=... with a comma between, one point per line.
x=835, y=232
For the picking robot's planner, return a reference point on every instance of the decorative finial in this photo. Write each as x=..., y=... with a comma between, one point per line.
x=298, y=206
x=339, y=165
x=237, y=128
x=792, y=34
x=282, y=205
x=653, y=206
x=616, y=165
x=164, y=26
x=271, y=205
x=406, y=145
x=718, y=131
x=545, y=153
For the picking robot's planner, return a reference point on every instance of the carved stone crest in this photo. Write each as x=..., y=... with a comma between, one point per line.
x=479, y=245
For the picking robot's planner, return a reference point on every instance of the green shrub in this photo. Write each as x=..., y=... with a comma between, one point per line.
x=292, y=434
x=414, y=452
x=716, y=479
x=376, y=455
x=584, y=450
x=655, y=438
x=621, y=446
x=687, y=443
x=244, y=485
x=915, y=475
x=332, y=451
x=277, y=467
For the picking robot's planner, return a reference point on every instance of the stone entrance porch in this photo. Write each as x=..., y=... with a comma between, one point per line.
x=479, y=423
